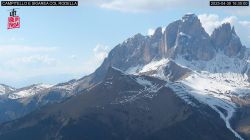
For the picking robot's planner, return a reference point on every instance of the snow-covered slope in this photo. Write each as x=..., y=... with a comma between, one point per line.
x=2, y=90
x=219, y=64
x=212, y=82
x=5, y=89
x=212, y=91
x=154, y=65
x=28, y=91
x=19, y=102
x=157, y=66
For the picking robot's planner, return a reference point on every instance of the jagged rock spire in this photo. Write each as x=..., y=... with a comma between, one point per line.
x=224, y=38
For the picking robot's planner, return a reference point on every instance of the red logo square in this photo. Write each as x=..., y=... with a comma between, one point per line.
x=13, y=22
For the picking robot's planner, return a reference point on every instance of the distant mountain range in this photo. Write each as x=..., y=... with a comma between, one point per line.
x=180, y=83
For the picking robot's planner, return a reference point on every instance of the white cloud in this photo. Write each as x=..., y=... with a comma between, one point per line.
x=20, y=63
x=17, y=39
x=142, y=5
x=73, y=56
x=212, y=21
x=14, y=55
x=10, y=38
x=12, y=49
x=232, y=20
x=241, y=11
x=100, y=52
x=136, y=6
x=151, y=31
x=33, y=59
x=245, y=23
x=209, y=22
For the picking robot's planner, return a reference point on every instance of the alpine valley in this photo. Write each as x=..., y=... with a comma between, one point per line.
x=179, y=83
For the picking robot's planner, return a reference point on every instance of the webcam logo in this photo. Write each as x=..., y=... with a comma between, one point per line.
x=13, y=20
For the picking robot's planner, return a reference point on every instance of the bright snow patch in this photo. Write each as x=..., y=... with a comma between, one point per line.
x=149, y=91
x=5, y=89
x=133, y=70
x=67, y=87
x=2, y=90
x=154, y=65
x=219, y=64
x=215, y=92
x=213, y=82
x=29, y=91
x=184, y=34
x=143, y=82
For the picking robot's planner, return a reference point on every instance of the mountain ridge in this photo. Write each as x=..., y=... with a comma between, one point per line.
x=97, y=115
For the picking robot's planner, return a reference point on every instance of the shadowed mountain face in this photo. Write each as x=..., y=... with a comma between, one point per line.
x=178, y=84
x=225, y=39
x=120, y=107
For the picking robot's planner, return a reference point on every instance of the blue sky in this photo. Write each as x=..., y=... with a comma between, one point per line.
x=56, y=44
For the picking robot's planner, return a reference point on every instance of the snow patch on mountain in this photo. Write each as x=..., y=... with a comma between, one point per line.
x=215, y=93
x=134, y=70
x=68, y=87
x=154, y=65
x=184, y=34
x=193, y=87
x=2, y=90
x=29, y=91
x=212, y=82
x=219, y=64
x=181, y=91
x=130, y=96
x=143, y=82
x=149, y=91
x=219, y=84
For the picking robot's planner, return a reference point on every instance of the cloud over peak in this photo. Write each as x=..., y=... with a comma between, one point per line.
x=100, y=52
x=212, y=21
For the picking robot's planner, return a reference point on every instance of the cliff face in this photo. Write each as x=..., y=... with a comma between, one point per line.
x=225, y=39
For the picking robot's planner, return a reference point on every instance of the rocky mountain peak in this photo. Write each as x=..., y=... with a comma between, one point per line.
x=225, y=39
x=192, y=41
x=136, y=39
x=185, y=38
x=191, y=25
x=189, y=18
x=221, y=36
x=157, y=34
x=233, y=31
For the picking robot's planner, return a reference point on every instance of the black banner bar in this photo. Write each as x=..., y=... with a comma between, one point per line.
x=39, y=3
x=229, y=3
